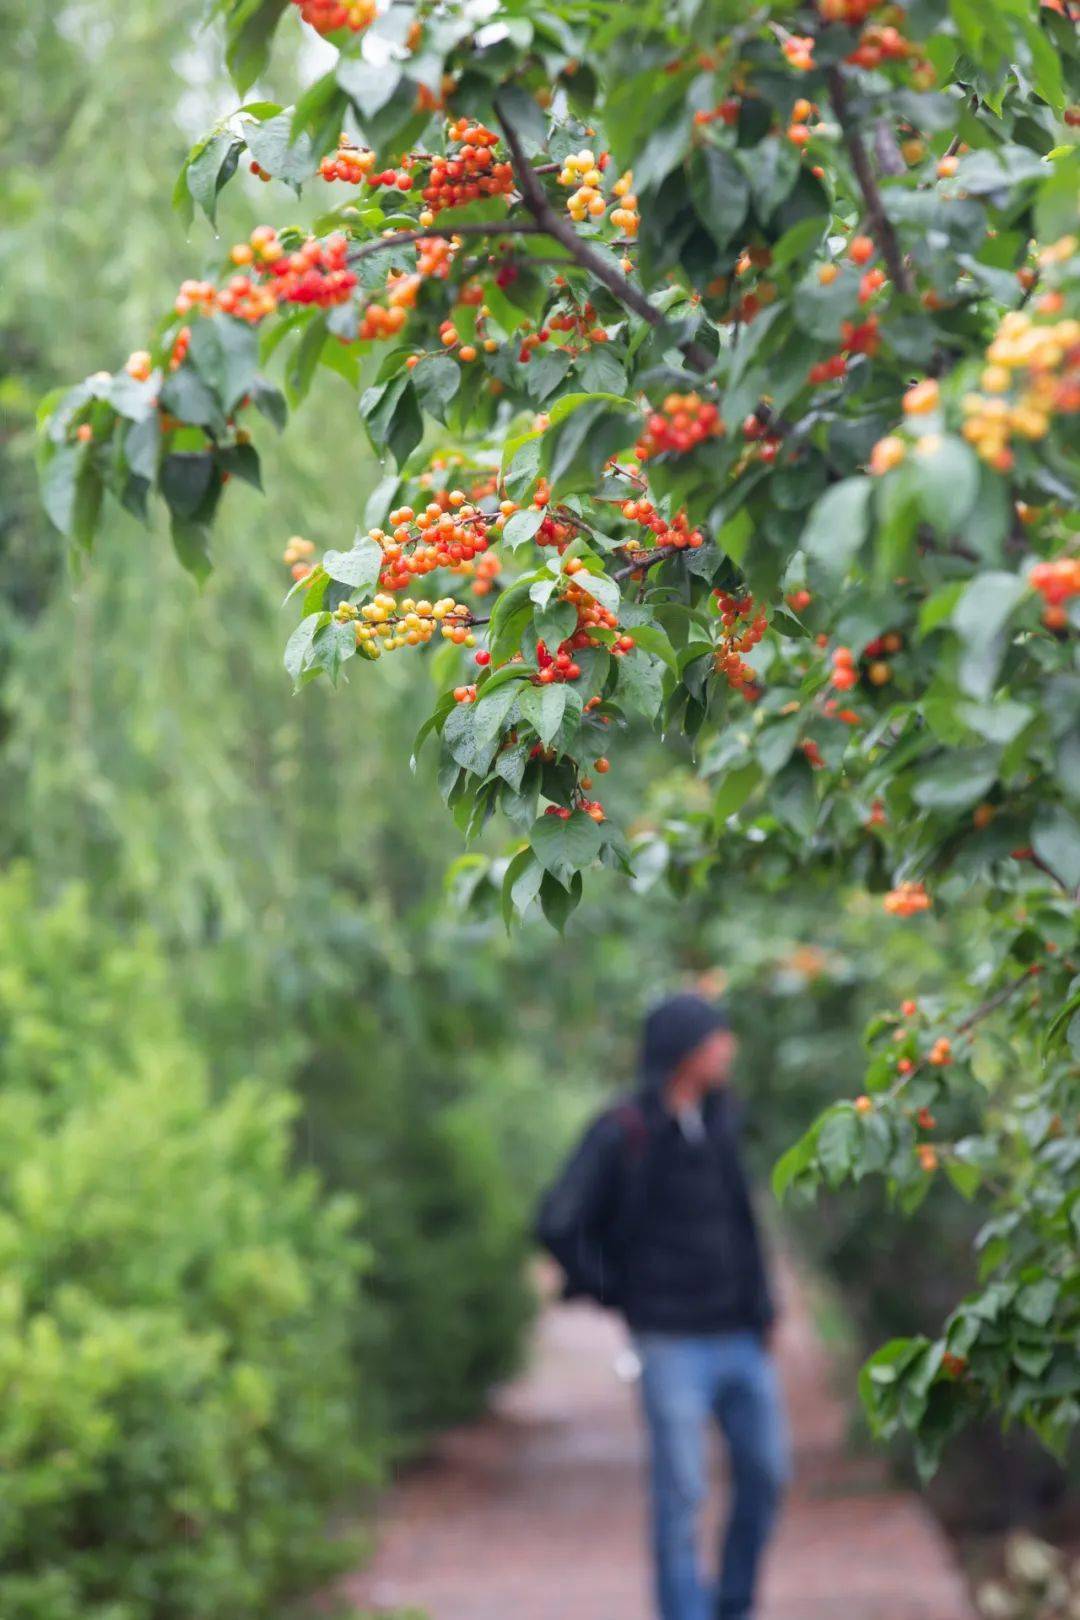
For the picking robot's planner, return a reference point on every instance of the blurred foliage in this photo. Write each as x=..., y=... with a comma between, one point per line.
x=177, y=1304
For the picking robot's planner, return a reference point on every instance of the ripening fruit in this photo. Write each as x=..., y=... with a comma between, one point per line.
x=909, y=1008
x=827, y=274
x=927, y=1157
x=864, y=1105
x=861, y=249
x=947, y=166
x=923, y=398
x=888, y=453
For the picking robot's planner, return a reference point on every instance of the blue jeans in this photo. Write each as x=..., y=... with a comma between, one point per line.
x=685, y=1381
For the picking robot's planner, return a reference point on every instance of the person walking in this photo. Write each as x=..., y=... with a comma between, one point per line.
x=651, y=1216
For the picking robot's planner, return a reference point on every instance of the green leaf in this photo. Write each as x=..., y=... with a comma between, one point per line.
x=186, y=396
x=719, y=191
x=837, y=1143
x=581, y=440
x=771, y=168
x=331, y=646
x=1055, y=838
x=369, y=85
x=185, y=482
x=473, y=730
x=1036, y=1302
x=640, y=684
x=436, y=379
x=838, y=524
x=966, y=1178
x=600, y=586
x=191, y=542
x=209, y=168
x=956, y=780
x=558, y=901
x=525, y=114
x=735, y=788
x=565, y=847
x=391, y=414
x=275, y=148
x=358, y=568
x=543, y=708
x=522, y=526
x=947, y=481
x=269, y=401
x=652, y=639
x=521, y=884
x=298, y=645
x=979, y=619
x=225, y=353
x=251, y=28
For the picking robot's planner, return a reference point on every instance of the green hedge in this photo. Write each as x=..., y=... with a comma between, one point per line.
x=177, y=1304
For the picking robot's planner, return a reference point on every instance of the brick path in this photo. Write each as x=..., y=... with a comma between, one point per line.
x=536, y=1512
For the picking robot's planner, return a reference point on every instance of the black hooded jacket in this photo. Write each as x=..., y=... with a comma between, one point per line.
x=656, y=1221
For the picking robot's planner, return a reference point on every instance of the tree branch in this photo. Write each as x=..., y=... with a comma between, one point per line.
x=551, y=223
x=521, y=227
x=976, y=1016
x=658, y=554
x=880, y=225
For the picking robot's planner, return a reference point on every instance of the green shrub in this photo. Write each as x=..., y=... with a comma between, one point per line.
x=447, y=1288
x=177, y=1304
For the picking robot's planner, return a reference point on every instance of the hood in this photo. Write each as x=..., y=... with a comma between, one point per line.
x=671, y=1031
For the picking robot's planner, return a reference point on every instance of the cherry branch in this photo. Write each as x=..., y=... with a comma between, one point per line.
x=658, y=554
x=551, y=223
x=976, y=1016
x=880, y=225
x=520, y=227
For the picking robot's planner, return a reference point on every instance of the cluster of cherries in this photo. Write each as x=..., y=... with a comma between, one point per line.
x=469, y=172
x=906, y=900
x=327, y=16
x=799, y=50
x=180, y=345
x=744, y=625
x=682, y=422
x=384, y=623
x=1056, y=582
x=434, y=255
x=828, y=370
x=725, y=112
x=844, y=673
x=860, y=337
x=354, y=164
x=297, y=556
x=757, y=432
x=553, y=531
x=852, y=12
x=421, y=542
x=677, y=533
x=881, y=43
x=315, y=273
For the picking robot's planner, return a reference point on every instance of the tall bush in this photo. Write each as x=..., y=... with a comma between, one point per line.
x=177, y=1305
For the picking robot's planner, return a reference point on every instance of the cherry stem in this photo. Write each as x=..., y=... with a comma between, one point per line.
x=520, y=227
x=558, y=226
